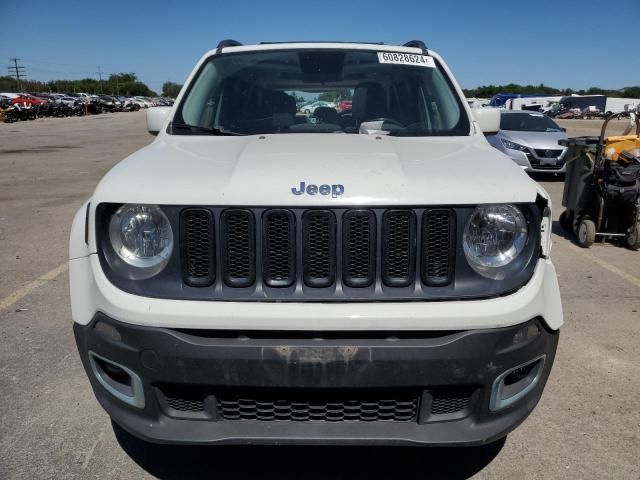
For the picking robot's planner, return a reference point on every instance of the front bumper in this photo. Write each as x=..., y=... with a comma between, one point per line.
x=188, y=376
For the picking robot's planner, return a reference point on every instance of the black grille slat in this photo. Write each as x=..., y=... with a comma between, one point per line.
x=318, y=407
x=279, y=252
x=238, y=248
x=198, y=255
x=398, y=248
x=319, y=248
x=359, y=248
x=438, y=247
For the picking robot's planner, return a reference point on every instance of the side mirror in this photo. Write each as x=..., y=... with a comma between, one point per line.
x=157, y=118
x=488, y=119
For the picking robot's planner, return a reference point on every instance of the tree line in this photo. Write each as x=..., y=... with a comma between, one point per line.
x=488, y=91
x=126, y=84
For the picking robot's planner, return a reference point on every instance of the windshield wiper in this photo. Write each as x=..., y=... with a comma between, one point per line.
x=207, y=130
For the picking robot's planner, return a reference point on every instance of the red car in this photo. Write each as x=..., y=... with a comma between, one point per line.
x=344, y=105
x=27, y=100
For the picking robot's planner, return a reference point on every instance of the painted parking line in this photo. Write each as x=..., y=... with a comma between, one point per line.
x=606, y=265
x=33, y=285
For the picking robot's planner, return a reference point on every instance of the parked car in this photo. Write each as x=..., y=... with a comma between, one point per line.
x=128, y=104
x=311, y=107
x=251, y=276
x=531, y=140
x=69, y=100
x=138, y=102
x=83, y=97
x=145, y=101
x=107, y=102
x=21, y=99
x=344, y=106
x=26, y=100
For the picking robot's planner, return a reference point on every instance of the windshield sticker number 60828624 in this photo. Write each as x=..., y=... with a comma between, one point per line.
x=406, y=59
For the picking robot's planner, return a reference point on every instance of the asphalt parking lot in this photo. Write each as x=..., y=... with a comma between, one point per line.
x=587, y=424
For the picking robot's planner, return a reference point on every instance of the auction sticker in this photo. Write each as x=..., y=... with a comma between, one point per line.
x=406, y=59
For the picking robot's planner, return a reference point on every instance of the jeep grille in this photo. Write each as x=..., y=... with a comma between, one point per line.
x=376, y=248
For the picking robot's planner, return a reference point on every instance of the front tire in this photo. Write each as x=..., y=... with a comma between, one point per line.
x=586, y=233
x=633, y=237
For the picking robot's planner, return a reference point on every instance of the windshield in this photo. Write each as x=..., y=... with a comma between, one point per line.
x=321, y=91
x=528, y=122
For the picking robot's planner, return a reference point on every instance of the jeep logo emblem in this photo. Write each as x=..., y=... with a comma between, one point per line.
x=335, y=190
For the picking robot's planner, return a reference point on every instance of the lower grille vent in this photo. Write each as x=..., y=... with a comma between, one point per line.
x=317, y=406
x=446, y=403
x=184, y=400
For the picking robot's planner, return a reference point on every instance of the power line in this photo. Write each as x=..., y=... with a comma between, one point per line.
x=16, y=71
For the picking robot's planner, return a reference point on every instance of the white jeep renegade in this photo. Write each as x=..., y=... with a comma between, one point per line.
x=374, y=274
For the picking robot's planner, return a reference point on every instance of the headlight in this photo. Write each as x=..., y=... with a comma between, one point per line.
x=513, y=145
x=141, y=236
x=494, y=236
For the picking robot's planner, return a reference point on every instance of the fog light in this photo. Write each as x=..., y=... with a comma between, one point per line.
x=516, y=383
x=118, y=380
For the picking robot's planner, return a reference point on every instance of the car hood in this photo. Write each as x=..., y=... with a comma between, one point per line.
x=263, y=170
x=539, y=140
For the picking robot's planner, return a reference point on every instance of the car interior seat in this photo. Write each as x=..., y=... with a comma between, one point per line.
x=369, y=102
x=327, y=115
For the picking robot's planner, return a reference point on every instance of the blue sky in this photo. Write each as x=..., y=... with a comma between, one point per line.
x=563, y=43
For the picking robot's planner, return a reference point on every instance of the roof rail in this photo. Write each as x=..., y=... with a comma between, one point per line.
x=320, y=41
x=227, y=43
x=416, y=44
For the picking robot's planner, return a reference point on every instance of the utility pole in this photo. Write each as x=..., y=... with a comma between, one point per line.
x=17, y=71
x=99, y=72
